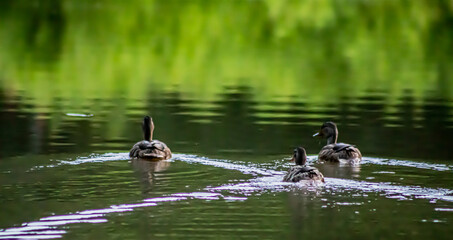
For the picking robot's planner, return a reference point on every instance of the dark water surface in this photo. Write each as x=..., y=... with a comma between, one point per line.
x=233, y=87
x=76, y=180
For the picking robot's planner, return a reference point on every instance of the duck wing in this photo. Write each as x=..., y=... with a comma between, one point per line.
x=154, y=149
x=298, y=173
x=347, y=151
x=335, y=152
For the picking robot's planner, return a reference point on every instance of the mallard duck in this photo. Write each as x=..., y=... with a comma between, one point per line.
x=300, y=171
x=333, y=151
x=149, y=148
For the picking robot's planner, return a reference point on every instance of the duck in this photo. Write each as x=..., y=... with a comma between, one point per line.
x=148, y=148
x=302, y=172
x=333, y=151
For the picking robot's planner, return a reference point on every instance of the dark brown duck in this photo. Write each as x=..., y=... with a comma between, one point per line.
x=300, y=171
x=333, y=151
x=149, y=148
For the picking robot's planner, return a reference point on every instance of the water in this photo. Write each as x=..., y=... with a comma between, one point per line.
x=192, y=196
x=232, y=94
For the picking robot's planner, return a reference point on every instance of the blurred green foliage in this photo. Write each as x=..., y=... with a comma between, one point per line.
x=314, y=50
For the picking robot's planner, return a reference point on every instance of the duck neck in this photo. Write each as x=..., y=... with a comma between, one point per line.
x=301, y=159
x=148, y=129
x=333, y=138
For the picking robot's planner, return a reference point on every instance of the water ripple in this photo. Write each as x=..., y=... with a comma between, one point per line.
x=246, y=168
x=267, y=180
x=406, y=163
x=40, y=229
x=225, y=164
x=94, y=158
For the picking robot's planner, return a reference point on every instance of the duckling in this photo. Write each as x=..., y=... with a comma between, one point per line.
x=333, y=151
x=149, y=148
x=300, y=171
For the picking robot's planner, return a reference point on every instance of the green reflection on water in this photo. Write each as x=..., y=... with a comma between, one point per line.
x=237, y=63
x=318, y=51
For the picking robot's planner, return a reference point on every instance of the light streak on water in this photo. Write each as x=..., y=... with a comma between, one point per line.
x=266, y=180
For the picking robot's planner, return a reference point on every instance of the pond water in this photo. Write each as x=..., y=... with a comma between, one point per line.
x=232, y=94
x=224, y=178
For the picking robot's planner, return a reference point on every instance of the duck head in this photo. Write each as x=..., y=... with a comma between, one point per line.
x=148, y=128
x=300, y=156
x=329, y=131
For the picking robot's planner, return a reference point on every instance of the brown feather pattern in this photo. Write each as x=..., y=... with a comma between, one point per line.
x=298, y=173
x=340, y=151
x=154, y=150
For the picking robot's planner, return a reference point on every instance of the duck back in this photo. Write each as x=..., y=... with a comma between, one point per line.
x=154, y=149
x=340, y=151
x=299, y=173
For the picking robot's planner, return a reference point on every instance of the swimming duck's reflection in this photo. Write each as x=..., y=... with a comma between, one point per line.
x=147, y=168
x=339, y=170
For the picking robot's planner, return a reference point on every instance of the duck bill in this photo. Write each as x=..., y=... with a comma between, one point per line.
x=292, y=159
x=318, y=134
